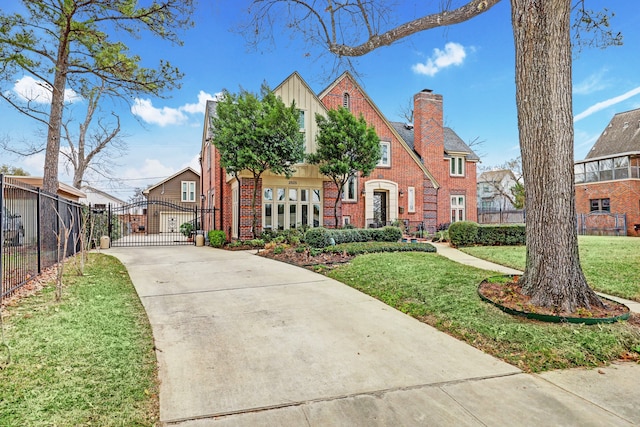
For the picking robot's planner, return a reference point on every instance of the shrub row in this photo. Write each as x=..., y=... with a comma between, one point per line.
x=321, y=237
x=360, y=248
x=468, y=233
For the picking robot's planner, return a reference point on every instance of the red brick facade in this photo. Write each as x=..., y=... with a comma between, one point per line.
x=423, y=172
x=624, y=196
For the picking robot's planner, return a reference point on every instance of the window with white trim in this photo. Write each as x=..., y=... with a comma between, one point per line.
x=456, y=166
x=350, y=190
x=385, y=154
x=188, y=193
x=457, y=208
x=411, y=202
x=290, y=207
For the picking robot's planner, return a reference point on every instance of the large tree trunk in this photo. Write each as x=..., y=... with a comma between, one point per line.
x=52, y=154
x=553, y=276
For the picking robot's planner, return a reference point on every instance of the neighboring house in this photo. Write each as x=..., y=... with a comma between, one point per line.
x=607, y=181
x=426, y=176
x=98, y=199
x=64, y=190
x=23, y=205
x=172, y=202
x=494, y=190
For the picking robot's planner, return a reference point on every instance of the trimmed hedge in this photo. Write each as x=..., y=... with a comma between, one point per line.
x=468, y=233
x=463, y=233
x=360, y=248
x=320, y=237
x=217, y=238
x=317, y=237
x=498, y=235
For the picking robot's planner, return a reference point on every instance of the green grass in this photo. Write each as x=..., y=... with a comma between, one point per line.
x=443, y=294
x=88, y=360
x=610, y=264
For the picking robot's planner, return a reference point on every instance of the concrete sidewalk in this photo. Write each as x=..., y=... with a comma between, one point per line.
x=247, y=341
x=458, y=256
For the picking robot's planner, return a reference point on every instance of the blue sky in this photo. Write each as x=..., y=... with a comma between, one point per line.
x=470, y=64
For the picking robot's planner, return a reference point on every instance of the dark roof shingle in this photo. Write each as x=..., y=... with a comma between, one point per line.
x=452, y=142
x=622, y=135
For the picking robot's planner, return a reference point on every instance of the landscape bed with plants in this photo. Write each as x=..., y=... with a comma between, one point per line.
x=444, y=294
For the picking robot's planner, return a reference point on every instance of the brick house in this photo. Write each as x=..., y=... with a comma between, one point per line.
x=426, y=176
x=607, y=181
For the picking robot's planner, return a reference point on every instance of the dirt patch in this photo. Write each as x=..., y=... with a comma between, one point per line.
x=305, y=259
x=510, y=295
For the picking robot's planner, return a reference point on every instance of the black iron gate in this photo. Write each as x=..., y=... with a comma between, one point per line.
x=153, y=222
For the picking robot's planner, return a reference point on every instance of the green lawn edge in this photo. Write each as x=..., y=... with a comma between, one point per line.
x=443, y=293
x=87, y=360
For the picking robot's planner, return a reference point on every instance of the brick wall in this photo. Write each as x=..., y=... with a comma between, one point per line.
x=429, y=143
x=404, y=171
x=624, y=198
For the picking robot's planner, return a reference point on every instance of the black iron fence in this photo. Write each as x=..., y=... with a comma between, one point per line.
x=36, y=227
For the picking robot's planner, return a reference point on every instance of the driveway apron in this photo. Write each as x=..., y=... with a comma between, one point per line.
x=244, y=340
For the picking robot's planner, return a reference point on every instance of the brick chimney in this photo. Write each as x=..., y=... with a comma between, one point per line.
x=428, y=128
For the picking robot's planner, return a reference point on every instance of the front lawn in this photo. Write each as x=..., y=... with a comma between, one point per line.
x=610, y=264
x=88, y=360
x=443, y=294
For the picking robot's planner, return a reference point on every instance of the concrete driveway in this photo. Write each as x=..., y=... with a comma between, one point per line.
x=247, y=341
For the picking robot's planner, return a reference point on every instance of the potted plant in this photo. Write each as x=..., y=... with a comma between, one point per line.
x=187, y=230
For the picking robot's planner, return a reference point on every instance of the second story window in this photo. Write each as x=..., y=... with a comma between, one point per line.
x=346, y=101
x=456, y=166
x=301, y=120
x=188, y=193
x=385, y=154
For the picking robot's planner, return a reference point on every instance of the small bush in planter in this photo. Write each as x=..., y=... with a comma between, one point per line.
x=217, y=238
x=186, y=229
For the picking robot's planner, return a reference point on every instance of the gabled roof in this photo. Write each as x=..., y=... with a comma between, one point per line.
x=389, y=124
x=495, y=175
x=452, y=142
x=188, y=168
x=64, y=190
x=622, y=135
x=88, y=189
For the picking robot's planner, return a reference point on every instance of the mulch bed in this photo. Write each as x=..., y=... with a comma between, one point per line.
x=304, y=259
x=510, y=295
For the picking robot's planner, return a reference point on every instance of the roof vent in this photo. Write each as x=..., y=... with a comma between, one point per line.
x=408, y=125
x=625, y=125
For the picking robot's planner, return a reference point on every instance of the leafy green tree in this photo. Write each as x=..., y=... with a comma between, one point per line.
x=68, y=46
x=256, y=134
x=345, y=146
x=13, y=170
x=542, y=32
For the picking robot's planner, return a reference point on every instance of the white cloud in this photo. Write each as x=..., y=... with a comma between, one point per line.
x=606, y=103
x=200, y=106
x=30, y=89
x=591, y=84
x=194, y=163
x=164, y=116
x=153, y=169
x=453, y=54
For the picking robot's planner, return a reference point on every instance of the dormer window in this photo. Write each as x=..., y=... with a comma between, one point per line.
x=346, y=101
